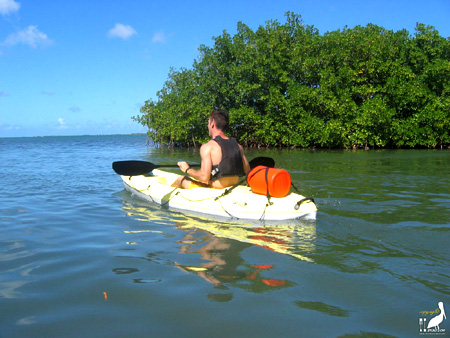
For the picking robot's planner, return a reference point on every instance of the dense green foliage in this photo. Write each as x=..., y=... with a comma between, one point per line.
x=287, y=85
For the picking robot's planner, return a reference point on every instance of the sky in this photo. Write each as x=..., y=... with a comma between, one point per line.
x=85, y=67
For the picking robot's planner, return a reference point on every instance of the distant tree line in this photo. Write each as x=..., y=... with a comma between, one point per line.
x=286, y=85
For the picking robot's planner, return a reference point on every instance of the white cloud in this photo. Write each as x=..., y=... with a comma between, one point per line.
x=159, y=37
x=62, y=124
x=121, y=31
x=8, y=6
x=29, y=36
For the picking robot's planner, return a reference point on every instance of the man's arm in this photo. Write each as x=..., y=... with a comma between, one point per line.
x=244, y=160
x=204, y=173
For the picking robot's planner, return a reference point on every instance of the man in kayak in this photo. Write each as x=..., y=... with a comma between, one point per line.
x=222, y=158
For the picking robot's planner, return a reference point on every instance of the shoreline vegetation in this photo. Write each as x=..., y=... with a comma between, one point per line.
x=285, y=85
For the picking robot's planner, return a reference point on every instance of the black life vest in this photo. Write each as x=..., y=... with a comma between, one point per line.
x=231, y=164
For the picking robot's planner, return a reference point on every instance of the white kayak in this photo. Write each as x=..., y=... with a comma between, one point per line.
x=239, y=202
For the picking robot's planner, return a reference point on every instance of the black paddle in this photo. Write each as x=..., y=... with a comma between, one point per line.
x=135, y=168
x=262, y=160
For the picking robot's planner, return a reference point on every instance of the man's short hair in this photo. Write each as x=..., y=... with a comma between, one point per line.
x=220, y=118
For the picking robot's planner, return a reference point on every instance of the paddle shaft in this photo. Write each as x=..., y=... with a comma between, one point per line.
x=136, y=168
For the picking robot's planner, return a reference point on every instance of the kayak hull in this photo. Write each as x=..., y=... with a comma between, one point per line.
x=240, y=203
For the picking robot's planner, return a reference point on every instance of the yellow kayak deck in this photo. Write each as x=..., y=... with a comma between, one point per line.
x=240, y=202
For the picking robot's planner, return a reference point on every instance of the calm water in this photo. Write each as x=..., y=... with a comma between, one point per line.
x=80, y=257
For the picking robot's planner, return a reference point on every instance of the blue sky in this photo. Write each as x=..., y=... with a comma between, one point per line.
x=85, y=67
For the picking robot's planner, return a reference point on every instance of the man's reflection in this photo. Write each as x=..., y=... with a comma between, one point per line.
x=223, y=265
x=221, y=257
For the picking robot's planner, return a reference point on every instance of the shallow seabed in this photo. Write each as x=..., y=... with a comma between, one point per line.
x=80, y=257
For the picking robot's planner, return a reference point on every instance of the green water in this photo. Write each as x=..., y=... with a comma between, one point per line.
x=374, y=263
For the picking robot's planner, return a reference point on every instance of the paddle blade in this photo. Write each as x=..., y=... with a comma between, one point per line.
x=262, y=160
x=132, y=168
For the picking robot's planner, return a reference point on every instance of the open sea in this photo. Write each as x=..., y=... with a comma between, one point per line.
x=81, y=257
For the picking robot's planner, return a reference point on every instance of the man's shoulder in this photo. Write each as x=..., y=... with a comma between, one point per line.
x=209, y=144
x=206, y=147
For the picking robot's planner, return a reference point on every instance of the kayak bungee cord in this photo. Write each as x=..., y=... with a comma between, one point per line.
x=220, y=202
x=215, y=199
x=303, y=200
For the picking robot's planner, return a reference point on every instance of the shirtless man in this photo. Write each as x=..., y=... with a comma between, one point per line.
x=222, y=158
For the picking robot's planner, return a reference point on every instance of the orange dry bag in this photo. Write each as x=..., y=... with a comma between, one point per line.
x=269, y=181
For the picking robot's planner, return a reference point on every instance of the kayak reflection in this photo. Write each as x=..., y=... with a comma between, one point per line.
x=218, y=246
x=295, y=239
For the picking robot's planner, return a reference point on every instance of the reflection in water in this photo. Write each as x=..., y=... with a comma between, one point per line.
x=121, y=271
x=323, y=308
x=293, y=239
x=217, y=246
x=221, y=257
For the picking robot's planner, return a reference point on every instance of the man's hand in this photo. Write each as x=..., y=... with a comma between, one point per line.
x=183, y=166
